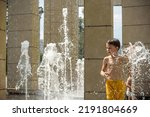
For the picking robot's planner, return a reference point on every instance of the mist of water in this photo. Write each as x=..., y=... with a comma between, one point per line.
x=24, y=68
x=139, y=59
x=55, y=75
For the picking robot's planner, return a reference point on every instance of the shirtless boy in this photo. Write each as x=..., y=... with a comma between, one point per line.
x=112, y=70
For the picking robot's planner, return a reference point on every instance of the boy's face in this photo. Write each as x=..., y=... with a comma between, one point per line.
x=111, y=48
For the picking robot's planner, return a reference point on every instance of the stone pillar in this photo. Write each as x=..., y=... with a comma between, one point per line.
x=81, y=2
x=73, y=26
x=2, y=49
x=136, y=26
x=23, y=19
x=98, y=29
x=136, y=21
x=53, y=21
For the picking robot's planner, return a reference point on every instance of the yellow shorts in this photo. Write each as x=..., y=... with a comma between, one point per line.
x=115, y=89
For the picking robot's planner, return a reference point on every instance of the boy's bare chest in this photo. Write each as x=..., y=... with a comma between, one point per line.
x=114, y=62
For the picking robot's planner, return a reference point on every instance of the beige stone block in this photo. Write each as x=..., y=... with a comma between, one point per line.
x=126, y=3
x=47, y=24
x=116, y=2
x=56, y=38
x=56, y=17
x=3, y=0
x=72, y=13
x=68, y=4
x=93, y=81
x=13, y=75
x=34, y=54
x=23, y=6
x=136, y=33
x=35, y=6
x=2, y=44
x=74, y=50
x=2, y=74
x=2, y=15
x=47, y=5
x=33, y=85
x=95, y=41
x=11, y=83
x=55, y=27
x=52, y=33
x=34, y=71
x=94, y=96
x=23, y=22
x=3, y=79
x=13, y=55
x=2, y=94
x=81, y=2
x=35, y=39
x=15, y=38
x=47, y=39
x=136, y=15
x=36, y=23
x=56, y=4
x=98, y=12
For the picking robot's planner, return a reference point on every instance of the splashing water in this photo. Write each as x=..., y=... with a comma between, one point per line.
x=80, y=77
x=139, y=58
x=50, y=72
x=55, y=71
x=51, y=76
x=24, y=67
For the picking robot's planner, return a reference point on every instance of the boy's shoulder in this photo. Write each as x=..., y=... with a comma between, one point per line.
x=123, y=58
x=106, y=57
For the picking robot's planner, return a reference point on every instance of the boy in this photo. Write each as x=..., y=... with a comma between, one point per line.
x=129, y=91
x=112, y=70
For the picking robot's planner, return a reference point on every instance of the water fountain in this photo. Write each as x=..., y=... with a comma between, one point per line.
x=80, y=77
x=139, y=58
x=55, y=71
x=24, y=68
x=49, y=72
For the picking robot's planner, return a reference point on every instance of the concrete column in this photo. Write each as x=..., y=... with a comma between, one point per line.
x=23, y=25
x=2, y=49
x=53, y=21
x=136, y=21
x=98, y=29
x=73, y=32
x=136, y=27
x=81, y=2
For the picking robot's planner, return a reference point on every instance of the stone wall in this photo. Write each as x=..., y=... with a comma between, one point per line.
x=2, y=49
x=23, y=25
x=54, y=19
x=98, y=29
x=136, y=27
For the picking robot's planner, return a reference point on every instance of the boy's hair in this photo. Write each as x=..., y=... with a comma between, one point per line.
x=114, y=42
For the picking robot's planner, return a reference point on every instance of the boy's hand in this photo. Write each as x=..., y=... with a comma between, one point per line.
x=128, y=82
x=107, y=75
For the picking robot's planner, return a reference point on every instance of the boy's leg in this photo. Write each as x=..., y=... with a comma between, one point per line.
x=121, y=90
x=110, y=94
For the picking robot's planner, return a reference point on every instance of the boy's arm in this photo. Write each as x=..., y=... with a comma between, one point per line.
x=128, y=83
x=104, y=64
